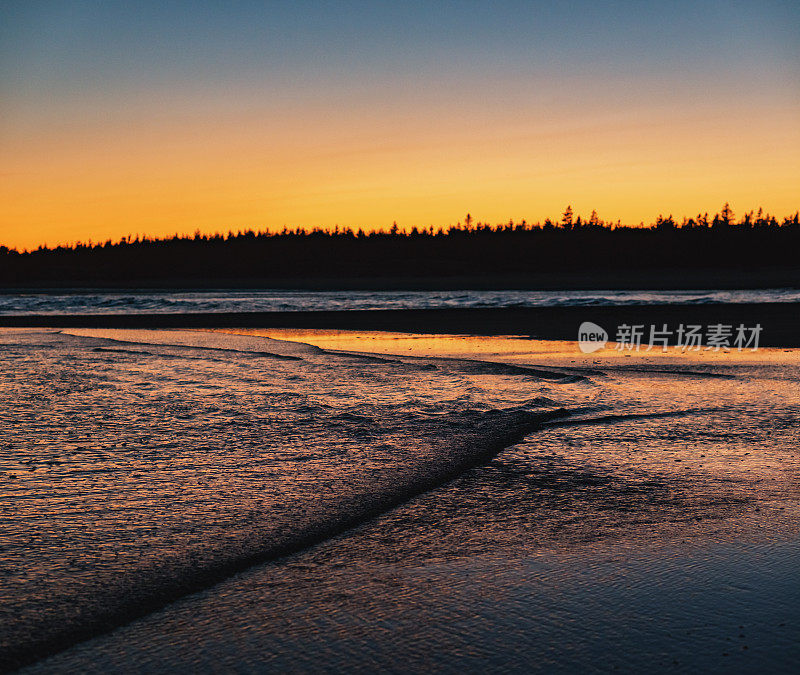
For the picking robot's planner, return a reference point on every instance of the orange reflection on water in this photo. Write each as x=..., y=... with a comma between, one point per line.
x=515, y=348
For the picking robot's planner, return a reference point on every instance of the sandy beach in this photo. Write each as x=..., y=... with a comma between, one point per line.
x=493, y=502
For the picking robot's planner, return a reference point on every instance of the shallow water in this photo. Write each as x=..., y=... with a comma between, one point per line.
x=352, y=606
x=287, y=300
x=139, y=466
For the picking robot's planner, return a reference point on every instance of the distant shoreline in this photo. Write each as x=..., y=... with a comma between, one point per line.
x=590, y=280
x=780, y=322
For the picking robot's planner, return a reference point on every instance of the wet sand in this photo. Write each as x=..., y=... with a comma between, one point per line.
x=679, y=609
x=780, y=322
x=620, y=543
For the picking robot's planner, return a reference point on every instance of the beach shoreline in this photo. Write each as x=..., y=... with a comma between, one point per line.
x=641, y=468
x=780, y=322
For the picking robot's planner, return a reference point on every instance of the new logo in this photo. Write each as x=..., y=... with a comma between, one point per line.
x=591, y=337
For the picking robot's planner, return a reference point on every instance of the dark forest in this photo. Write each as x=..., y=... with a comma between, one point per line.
x=468, y=249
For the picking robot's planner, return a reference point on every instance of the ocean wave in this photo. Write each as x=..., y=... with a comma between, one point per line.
x=192, y=469
x=200, y=340
x=456, y=443
x=55, y=303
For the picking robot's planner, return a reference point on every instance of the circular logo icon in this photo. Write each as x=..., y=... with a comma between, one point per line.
x=591, y=337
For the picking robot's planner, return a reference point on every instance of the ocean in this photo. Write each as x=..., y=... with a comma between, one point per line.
x=159, y=302
x=284, y=499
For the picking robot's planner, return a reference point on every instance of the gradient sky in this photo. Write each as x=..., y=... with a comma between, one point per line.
x=152, y=118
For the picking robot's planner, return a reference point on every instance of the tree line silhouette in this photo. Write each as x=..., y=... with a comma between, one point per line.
x=757, y=240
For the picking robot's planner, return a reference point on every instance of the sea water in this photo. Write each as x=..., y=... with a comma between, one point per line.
x=147, y=302
x=138, y=467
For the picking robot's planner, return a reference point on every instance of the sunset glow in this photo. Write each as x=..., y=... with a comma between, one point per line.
x=156, y=121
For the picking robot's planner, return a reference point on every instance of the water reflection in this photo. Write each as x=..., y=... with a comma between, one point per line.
x=132, y=466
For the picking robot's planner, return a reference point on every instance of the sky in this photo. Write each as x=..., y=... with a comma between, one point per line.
x=155, y=118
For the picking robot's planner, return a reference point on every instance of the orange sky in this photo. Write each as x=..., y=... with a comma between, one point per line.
x=178, y=174
x=365, y=148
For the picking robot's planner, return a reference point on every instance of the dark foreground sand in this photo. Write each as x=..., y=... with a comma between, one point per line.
x=780, y=322
x=725, y=608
